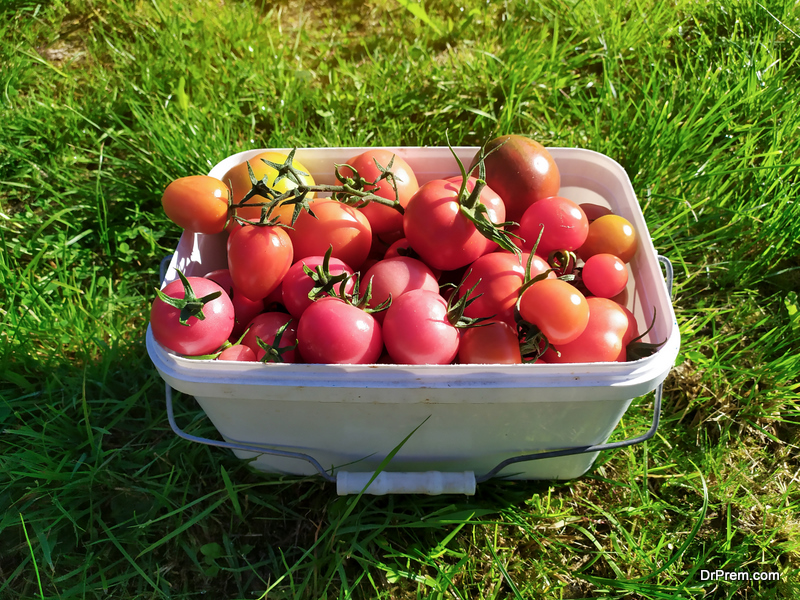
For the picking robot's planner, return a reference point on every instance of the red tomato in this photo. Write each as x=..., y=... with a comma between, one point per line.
x=239, y=353
x=244, y=309
x=604, y=339
x=297, y=283
x=197, y=337
x=498, y=276
x=265, y=326
x=384, y=219
x=239, y=180
x=521, y=171
x=395, y=277
x=417, y=331
x=604, y=275
x=258, y=259
x=334, y=332
x=197, y=203
x=439, y=232
x=336, y=224
x=493, y=343
x=610, y=234
x=558, y=309
x=565, y=226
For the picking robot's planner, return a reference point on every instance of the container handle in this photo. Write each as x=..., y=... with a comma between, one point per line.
x=431, y=483
x=237, y=446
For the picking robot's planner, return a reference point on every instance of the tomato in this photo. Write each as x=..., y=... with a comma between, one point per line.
x=610, y=234
x=334, y=224
x=492, y=343
x=604, y=340
x=198, y=203
x=197, y=337
x=384, y=219
x=439, y=232
x=395, y=277
x=244, y=309
x=297, y=283
x=334, y=332
x=557, y=308
x=594, y=211
x=239, y=353
x=258, y=259
x=265, y=327
x=416, y=330
x=238, y=179
x=604, y=275
x=521, y=171
x=565, y=226
x=498, y=276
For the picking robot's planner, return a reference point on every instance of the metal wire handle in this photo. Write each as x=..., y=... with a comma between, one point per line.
x=502, y=465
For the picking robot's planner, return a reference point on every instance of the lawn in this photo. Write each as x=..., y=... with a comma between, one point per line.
x=104, y=102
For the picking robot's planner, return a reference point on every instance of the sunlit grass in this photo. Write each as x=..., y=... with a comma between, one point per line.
x=102, y=103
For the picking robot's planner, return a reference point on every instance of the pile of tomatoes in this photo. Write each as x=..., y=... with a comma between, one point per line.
x=490, y=266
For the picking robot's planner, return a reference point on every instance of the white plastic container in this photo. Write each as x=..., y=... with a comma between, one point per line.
x=349, y=417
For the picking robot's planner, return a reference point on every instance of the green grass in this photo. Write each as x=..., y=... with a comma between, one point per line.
x=102, y=103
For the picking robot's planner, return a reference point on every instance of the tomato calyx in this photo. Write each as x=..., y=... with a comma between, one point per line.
x=190, y=305
x=473, y=209
x=458, y=303
x=355, y=189
x=563, y=263
x=274, y=352
x=324, y=280
x=637, y=349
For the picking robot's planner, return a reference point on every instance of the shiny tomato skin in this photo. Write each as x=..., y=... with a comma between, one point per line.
x=494, y=343
x=562, y=223
x=604, y=275
x=238, y=353
x=610, y=234
x=258, y=258
x=384, y=219
x=416, y=330
x=336, y=224
x=297, y=283
x=521, y=171
x=333, y=332
x=244, y=309
x=499, y=276
x=265, y=326
x=437, y=230
x=604, y=339
x=197, y=203
x=557, y=308
x=238, y=179
x=198, y=337
x=395, y=277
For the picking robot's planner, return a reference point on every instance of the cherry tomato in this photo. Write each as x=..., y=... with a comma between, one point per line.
x=417, y=331
x=258, y=259
x=197, y=337
x=521, y=171
x=439, y=232
x=565, y=226
x=198, y=203
x=610, y=234
x=265, y=326
x=244, y=309
x=557, y=308
x=594, y=211
x=239, y=181
x=604, y=275
x=384, y=219
x=493, y=343
x=334, y=332
x=297, y=283
x=239, y=353
x=395, y=277
x=336, y=224
x=604, y=339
